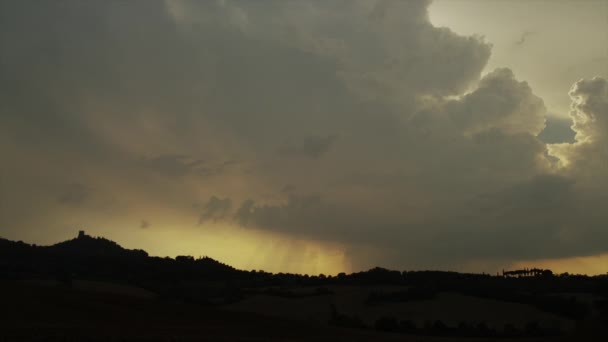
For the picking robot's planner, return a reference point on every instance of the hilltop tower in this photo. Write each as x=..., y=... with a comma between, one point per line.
x=81, y=234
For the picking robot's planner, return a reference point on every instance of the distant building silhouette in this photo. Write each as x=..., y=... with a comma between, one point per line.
x=81, y=234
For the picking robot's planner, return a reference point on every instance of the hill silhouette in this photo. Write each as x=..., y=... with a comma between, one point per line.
x=85, y=245
x=208, y=282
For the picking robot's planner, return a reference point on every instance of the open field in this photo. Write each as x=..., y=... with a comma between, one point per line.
x=450, y=308
x=34, y=312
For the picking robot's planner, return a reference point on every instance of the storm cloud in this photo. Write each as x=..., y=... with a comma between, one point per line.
x=393, y=141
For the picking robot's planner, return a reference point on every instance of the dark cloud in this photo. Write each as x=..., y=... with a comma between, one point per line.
x=589, y=115
x=311, y=147
x=178, y=165
x=296, y=213
x=174, y=165
x=215, y=209
x=500, y=101
x=557, y=130
x=524, y=37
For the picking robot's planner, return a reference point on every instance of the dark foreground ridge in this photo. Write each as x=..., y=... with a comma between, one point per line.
x=68, y=289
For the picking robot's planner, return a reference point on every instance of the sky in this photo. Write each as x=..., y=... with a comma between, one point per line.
x=311, y=136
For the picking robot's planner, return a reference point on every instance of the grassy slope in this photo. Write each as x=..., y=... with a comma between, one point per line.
x=447, y=307
x=35, y=312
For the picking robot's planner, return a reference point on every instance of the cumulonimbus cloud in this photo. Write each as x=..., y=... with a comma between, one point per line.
x=388, y=133
x=590, y=123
